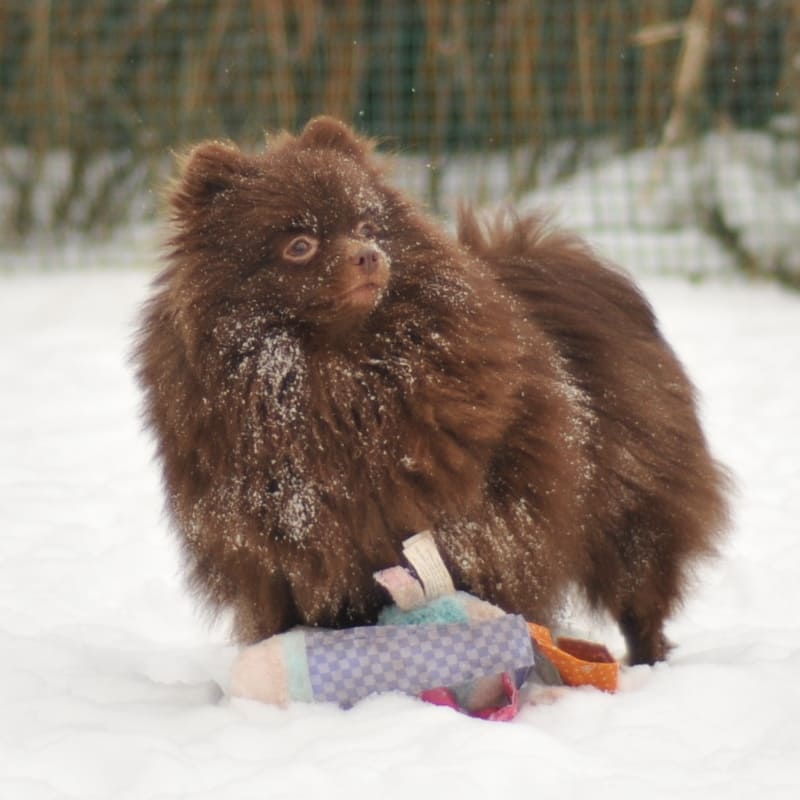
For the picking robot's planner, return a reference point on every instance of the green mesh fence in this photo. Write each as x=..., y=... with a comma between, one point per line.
x=653, y=116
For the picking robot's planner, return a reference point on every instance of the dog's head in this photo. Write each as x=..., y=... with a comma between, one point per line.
x=308, y=231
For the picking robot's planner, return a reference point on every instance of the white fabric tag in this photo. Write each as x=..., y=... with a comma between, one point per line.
x=421, y=552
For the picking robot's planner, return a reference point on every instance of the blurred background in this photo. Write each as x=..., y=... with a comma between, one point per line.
x=667, y=131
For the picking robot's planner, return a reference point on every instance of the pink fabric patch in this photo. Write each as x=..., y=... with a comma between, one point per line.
x=442, y=696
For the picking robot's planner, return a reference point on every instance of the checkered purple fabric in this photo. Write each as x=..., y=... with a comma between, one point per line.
x=346, y=666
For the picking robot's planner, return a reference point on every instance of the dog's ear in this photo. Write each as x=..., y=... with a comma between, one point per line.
x=207, y=170
x=331, y=134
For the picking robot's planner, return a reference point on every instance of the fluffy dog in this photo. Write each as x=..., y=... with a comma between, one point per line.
x=326, y=372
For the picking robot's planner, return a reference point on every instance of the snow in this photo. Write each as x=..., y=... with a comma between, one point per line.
x=109, y=677
x=727, y=199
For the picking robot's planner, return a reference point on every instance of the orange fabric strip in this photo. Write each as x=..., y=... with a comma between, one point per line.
x=574, y=671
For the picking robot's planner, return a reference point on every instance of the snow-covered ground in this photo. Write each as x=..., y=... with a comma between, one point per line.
x=108, y=677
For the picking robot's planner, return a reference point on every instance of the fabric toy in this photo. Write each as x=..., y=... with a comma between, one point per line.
x=448, y=647
x=579, y=663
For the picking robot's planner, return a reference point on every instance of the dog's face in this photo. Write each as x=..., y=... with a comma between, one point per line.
x=307, y=230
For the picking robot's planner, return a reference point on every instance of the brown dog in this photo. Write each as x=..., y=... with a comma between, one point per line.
x=326, y=371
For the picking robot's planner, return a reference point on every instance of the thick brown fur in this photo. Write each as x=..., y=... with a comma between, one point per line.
x=316, y=403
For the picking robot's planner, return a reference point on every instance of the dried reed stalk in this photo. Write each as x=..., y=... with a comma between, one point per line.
x=102, y=59
x=433, y=102
x=525, y=20
x=30, y=100
x=33, y=96
x=443, y=48
x=653, y=31
x=687, y=85
x=462, y=63
x=275, y=86
x=789, y=85
x=392, y=89
x=612, y=88
x=198, y=91
x=526, y=23
x=278, y=91
x=346, y=49
x=498, y=70
x=691, y=70
x=5, y=16
x=584, y=44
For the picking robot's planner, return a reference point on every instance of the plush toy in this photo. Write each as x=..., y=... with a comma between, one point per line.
x=448, y=647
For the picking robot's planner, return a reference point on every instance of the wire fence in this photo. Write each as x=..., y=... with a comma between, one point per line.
x=527, y=99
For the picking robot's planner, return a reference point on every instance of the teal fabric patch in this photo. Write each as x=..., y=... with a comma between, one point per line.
x=443, y=610
x=294, y=651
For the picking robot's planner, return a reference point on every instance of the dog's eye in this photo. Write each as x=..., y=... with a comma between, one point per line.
x=300, y=249
x=367, y=229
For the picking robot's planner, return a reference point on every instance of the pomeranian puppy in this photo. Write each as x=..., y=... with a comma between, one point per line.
x=326, y=371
